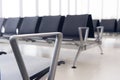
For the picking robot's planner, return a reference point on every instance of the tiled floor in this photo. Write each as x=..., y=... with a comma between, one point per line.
x=90, y=65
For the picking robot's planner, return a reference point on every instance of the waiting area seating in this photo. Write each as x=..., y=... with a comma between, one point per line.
x=11, y=26
x=80, y=28
x=110, y=25
x=96, y=23
x=29, y=25
x=118, y=26
x=2, y=20
x=75, y=28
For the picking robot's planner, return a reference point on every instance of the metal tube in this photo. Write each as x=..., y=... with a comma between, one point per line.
x=55, y=57
x=19, y=59
x=76, y=57
x=14, y=45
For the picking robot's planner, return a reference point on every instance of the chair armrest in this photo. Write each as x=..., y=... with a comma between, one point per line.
x=100, y=30
x=83, y=34
x=20, y=62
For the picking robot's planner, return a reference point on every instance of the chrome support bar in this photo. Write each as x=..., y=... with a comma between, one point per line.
x=83, y=34
x=99, y=32
x=82, y=44
x=19, y=59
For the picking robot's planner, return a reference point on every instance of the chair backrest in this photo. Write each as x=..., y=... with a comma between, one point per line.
x=118, y=26
x=72, y=22
x=110, y=25
x=51, y=24
x=2, y=20
x=11, y=25
x=29, y=25
x=96, y=23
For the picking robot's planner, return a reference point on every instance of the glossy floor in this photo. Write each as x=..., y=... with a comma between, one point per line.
x=90, y=64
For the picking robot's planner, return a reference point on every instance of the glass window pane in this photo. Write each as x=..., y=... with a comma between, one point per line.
x=54, y=7
x=10, y=8
x=82, y=6
x=64, y=7
x=109, y=9
x=72, y=7
x=29, y=7
x=95, y=8
x=43, y=7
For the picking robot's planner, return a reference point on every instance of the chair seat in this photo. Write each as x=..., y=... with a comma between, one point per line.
x=9, y=69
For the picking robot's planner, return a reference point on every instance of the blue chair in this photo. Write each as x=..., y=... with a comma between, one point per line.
x=110, y=25
x=51, y=24
x=29, y=25
x=80, y=28
x=2, y=20
x=11, y=26
x=96, y=23
x=118, y=26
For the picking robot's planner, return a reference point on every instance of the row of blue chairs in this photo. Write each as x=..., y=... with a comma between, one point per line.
x=27, y=25
x=110, y=25
x=73, y=27
x=68, y=25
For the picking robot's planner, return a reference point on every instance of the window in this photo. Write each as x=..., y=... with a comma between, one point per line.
x=10, y=8
x=29, y=7
x=43, y=7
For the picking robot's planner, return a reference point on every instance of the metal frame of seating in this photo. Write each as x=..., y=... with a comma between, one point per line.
x=80, y=28
x=19, y=58
x=85, y=43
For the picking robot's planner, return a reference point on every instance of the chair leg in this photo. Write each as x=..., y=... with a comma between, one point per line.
x=75, y=59
x=99, y=45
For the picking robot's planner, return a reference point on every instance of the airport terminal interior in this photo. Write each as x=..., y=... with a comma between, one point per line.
x=59, y=39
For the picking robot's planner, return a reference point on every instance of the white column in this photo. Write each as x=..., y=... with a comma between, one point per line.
x=49, y=7
x=21, y=8
x=75, y=7
x=68, y=7
x=37, y=7
x=59, y=7
x=117, y=10
x=102, y=6
x=88, y=7
x=0, y=8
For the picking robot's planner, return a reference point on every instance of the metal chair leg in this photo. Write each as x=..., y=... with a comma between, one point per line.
x=99, y=45
x=75, y=59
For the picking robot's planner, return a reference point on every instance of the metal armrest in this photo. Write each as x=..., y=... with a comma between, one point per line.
x=17, y=54
x=83, y=33
x=99, y=32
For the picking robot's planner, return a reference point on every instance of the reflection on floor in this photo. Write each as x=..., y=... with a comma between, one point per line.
x=90, y=65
